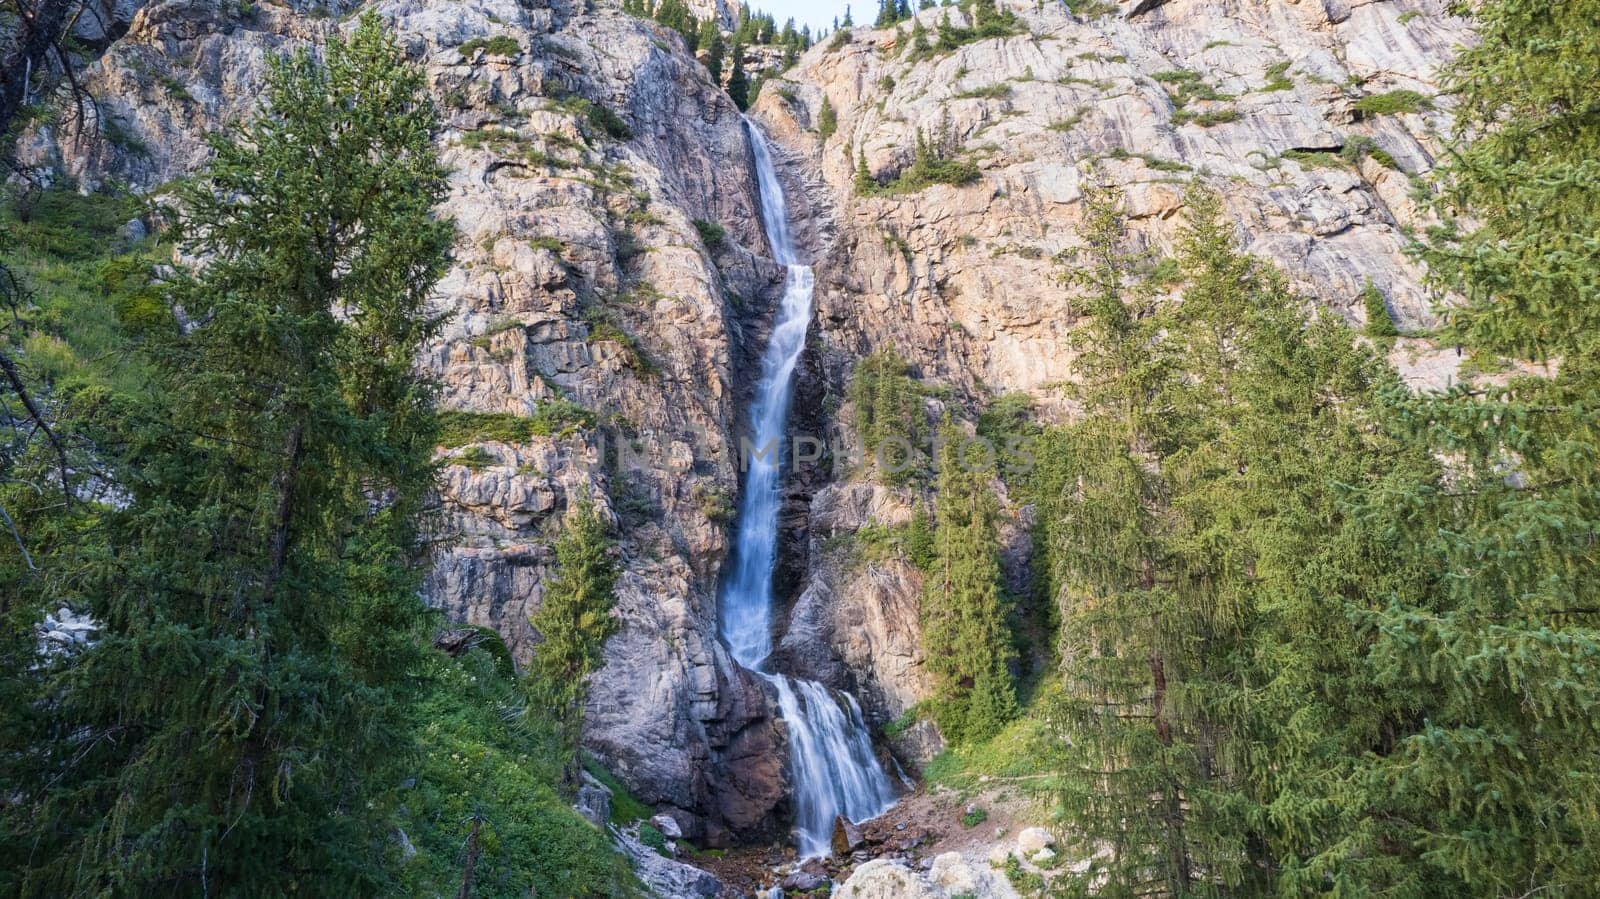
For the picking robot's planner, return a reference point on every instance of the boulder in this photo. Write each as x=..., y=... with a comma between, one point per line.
x=668, y=826
x=884, y=879
x=847, y=837
x=951, y=871
x=1032, y=839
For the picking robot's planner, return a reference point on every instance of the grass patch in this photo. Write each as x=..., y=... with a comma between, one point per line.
x=624, y=808
x=554, y=417
x=480, y=755
x=1020, y=751
x=1391, y=103
x=1316, y=159
x=1153, y=162
x=93, y=293
x=1278, y=77
x=1205, y=119
x=988, y=92
x=499, y=45
x=598, y=116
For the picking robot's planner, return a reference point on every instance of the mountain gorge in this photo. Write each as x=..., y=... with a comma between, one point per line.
x=612, y=290
x=585, y=145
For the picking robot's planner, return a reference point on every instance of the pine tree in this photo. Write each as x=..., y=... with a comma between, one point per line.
x=1491, y=788
x=827, y=120
x=675, y=14
x=738, y=83
x=889, y=416
x=1212, y=696
x=865, y=183
x=236, y=726
x=965, y=638
x=714, y=48
x=573, y=622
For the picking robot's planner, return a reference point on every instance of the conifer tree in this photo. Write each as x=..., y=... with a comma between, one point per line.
x=1491, y=790
x=236, y=725
x=827, y=120
x=965, y=637
x=675, y=14
x=738, y=83
x=713, y=46
x=1212, y=694
x=573, y=622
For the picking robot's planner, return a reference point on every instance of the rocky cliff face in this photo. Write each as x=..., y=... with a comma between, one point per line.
x=585, y=147
x=1257, y=98
x=1313, y=120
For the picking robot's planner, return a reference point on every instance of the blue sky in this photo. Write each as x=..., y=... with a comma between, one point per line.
x=816, y=13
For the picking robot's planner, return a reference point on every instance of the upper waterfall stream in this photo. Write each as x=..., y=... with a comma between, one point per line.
x=833, y=768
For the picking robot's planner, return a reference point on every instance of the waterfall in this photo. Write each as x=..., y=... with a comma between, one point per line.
x=832, y=765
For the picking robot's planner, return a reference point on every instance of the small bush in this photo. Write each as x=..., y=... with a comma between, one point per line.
x=974, y=817
x=711, y=233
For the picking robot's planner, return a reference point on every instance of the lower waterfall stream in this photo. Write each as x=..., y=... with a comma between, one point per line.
x=832, y=766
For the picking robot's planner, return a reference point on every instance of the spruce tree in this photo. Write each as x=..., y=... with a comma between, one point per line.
x=738, y=83
x=827, y=120
x=573, y=622
x=1491, y=790
x=714, y=48
x=236, y=727
x=965, y=637
x=1213, y=696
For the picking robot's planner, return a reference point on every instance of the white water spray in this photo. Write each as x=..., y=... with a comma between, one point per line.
x=830, y=755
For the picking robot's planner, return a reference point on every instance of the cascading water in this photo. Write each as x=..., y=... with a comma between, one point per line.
x=830, y=755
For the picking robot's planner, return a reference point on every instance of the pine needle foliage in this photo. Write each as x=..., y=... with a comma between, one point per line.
x=889, y=417
x=965, y=636
x=573, y=622
x=1210, y=686
x=1493, y=790
x=235, y=725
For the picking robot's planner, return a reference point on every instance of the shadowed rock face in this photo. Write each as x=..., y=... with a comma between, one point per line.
x=580, y=275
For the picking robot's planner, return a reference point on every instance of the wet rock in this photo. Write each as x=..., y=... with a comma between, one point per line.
x=804, y=881
x=847, y=836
